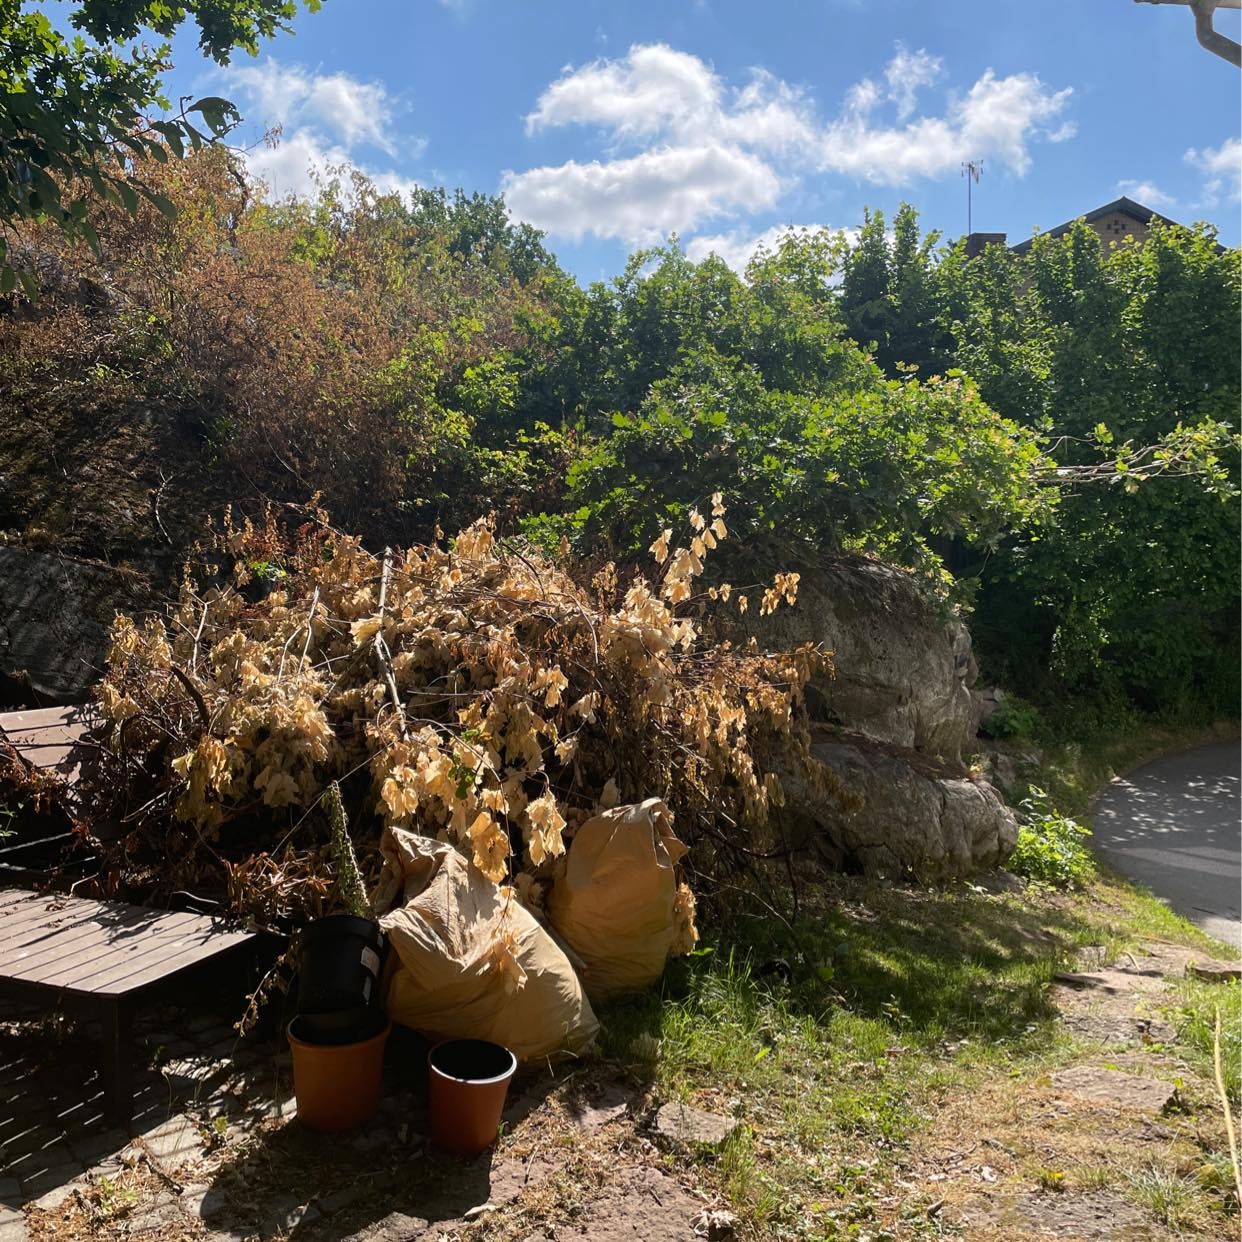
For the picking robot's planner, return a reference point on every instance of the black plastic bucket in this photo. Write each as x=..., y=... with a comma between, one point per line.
x=340, y=971
x=339, y=1026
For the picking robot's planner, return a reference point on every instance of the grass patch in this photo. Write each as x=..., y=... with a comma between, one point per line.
x=1172, y=1199
x=1196, y=1020
x=833, y=1036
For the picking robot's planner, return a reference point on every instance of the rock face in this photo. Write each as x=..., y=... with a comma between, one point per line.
x=900, y=815
x=904, y=667
x=54, y=617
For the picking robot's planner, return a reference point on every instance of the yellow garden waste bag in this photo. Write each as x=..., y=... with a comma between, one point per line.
x=614, y=905
x=468, y=960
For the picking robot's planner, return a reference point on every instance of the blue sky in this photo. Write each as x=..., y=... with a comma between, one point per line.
x=611, y=123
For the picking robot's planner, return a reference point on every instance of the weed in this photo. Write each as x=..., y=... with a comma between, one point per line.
x=114, y=1199
x=1173, y=1200
x=1015, y=718
x=1196, y=1023
x=1051, y=1179
x=1050, y=848
x=1094, y=1177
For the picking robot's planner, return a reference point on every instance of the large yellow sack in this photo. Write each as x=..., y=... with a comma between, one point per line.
x=614, y=905
x=469, y=962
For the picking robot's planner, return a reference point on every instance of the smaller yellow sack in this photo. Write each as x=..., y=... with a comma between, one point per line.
x=614, y=905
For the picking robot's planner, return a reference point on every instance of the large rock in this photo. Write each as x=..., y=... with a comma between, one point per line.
x=904, y=667
x=898, y=814
x=55, y=612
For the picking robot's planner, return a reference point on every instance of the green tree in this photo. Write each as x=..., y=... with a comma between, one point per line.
x=710, y=382
x=1125, y=358
x=890, y=297
x=72, y=109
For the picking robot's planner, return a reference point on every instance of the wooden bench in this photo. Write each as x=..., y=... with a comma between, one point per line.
x=53, y=739
x=102, y=958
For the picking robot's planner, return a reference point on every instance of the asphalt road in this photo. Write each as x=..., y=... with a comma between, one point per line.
x=1174, y=826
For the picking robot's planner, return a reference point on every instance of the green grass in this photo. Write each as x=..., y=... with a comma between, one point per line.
x=1173, y=1200
x=834, y=1036
x=892, y=996
x=1196, y=1022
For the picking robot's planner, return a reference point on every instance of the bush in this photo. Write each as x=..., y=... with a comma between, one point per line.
x=1015, y=718
x=1050, y=848
x=478, y=693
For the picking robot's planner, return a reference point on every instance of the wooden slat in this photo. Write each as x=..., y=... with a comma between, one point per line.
x=105, y=949
x=53, y=949
x=107, y=956
x=45, y=916
x=50, y=737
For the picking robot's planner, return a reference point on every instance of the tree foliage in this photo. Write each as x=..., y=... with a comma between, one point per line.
x=73, y=109
x=1048, y=433
x=709, y=382
x=1126, y=355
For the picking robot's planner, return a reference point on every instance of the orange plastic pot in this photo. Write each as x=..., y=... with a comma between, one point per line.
x=468, y=1080
x=337, y=1086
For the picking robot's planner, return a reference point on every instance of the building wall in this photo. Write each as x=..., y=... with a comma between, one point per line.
x=1116, y=226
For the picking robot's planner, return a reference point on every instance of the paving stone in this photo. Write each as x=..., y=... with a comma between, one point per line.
x=193, y=1195
x=395, y=1227
x=13, y=1228
x=679, y=1123
x=641, y=1205
x=174, y=1142
x=151, y=1220
x=50, y=1201
x=609, y=1105
x=285, y=1214
x=1112, y=980
x=508, y=1178
x=1215, y=972
x=1105, y=1086
x=1097, y=1215
x=329, y=1205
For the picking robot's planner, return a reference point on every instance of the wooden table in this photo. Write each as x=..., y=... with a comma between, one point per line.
x=103, y=958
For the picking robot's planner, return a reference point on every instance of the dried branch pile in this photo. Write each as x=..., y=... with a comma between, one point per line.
x=473, y=692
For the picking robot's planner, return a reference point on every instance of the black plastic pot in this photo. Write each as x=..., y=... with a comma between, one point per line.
x=340, y=972
x=339, y=1027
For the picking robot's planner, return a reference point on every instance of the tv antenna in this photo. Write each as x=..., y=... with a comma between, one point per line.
x=972, y=170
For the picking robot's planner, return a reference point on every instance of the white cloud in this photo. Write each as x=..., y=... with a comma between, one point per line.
x=739, y=246
x=907, y=73
x=682, y=146
x=1221, y=169
x=659, y=92
x=643, y=198
x=354, y=112
x=654, y=89
x=997, y=118
x=324, y=119
x=1148, y=193
x=299, y=161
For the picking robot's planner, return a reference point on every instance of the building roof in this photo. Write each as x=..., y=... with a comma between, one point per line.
x=1126, y=207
